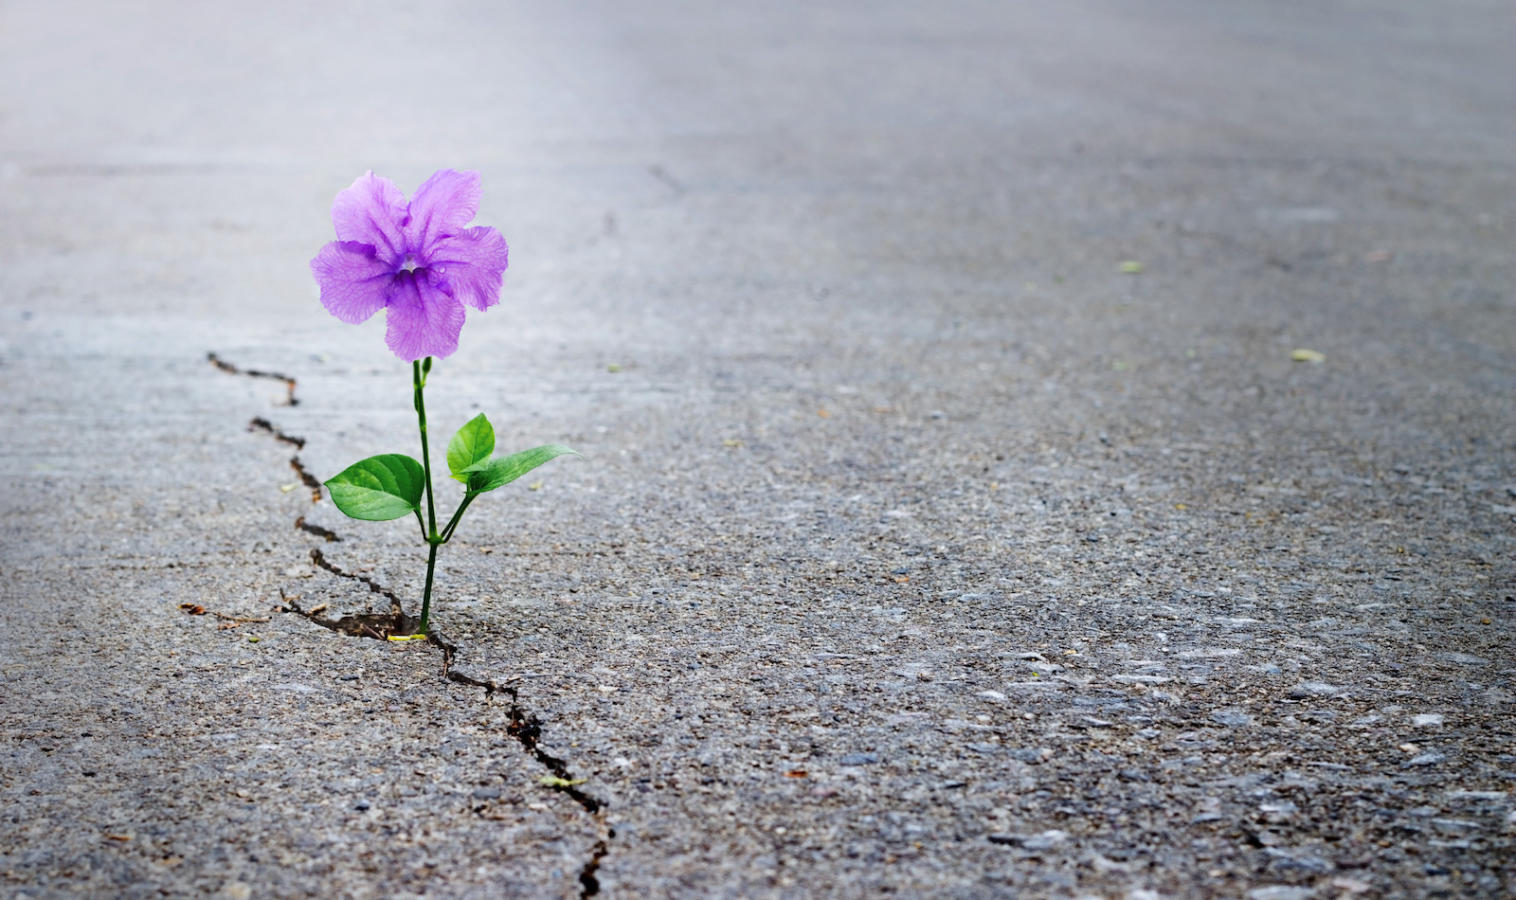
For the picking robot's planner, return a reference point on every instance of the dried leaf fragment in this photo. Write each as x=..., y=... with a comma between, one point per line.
x=553, y=781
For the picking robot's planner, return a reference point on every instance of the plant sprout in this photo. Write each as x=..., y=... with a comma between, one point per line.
x=420, y=262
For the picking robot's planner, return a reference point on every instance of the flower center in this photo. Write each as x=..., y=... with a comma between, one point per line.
x=410, y=264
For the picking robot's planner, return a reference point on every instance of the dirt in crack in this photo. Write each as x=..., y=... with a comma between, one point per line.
x=306, y=478
x=379, y=626
x=397, y=609
x=325, y=534
x=259, y=423
x=289, y=383
x=589, y=877
x=522, y=725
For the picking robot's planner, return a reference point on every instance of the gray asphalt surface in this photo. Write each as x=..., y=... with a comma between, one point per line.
x=920, y=545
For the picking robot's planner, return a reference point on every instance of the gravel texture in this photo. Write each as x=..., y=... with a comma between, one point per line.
x=959, y=514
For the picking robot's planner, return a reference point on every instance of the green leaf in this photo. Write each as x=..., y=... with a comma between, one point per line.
x=472, y=445
x=505, y=469
x=379, y=488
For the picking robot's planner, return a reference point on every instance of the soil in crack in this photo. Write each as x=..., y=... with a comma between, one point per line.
x=380, y=626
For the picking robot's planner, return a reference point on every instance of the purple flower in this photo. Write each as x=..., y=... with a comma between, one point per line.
x=419, y=260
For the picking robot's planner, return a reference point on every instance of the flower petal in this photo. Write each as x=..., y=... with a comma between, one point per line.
x=446, y=203
x=354, y=282
x=422, y=319
x=471, y=265
x=372, y=212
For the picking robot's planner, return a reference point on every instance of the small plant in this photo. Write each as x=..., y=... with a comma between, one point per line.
x=420, y=262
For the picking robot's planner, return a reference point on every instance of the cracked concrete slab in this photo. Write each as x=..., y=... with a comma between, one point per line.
x=922, y=544
x=203, y=760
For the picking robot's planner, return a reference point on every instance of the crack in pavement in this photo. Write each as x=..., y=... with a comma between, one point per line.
x=667, y=180
x=374, y=625
x=522, y=725
x=320, y=561
x=329, y=535
x=526, y=728
x=259, y=423
x=306, y=478
x=228, y=368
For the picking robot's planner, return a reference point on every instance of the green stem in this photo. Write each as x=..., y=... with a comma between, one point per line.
x=419, y=381
x=426, y=598
x=419, y=372
x=447, y=533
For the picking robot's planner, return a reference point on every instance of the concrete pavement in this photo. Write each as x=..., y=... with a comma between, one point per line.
x=917, y=546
